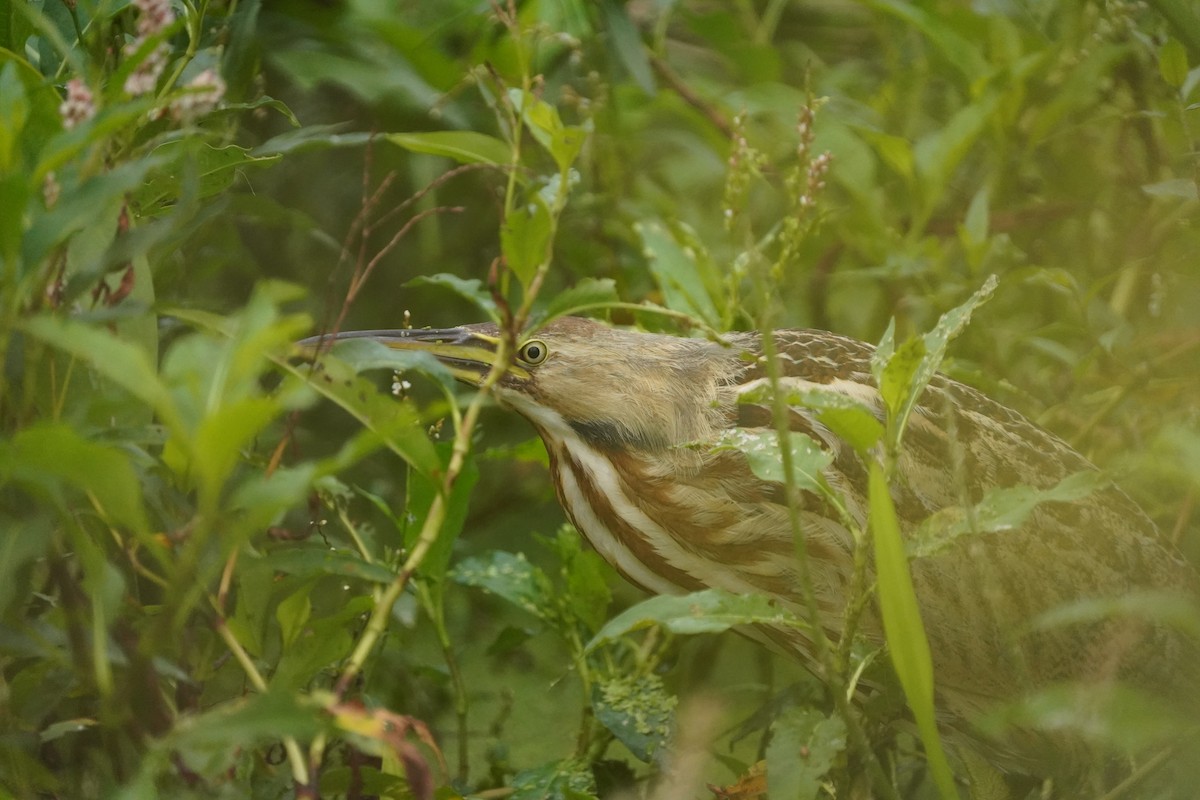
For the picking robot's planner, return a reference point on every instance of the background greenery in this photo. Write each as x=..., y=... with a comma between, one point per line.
x=198, y=545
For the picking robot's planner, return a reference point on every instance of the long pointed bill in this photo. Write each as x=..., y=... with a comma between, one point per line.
x=468, y=354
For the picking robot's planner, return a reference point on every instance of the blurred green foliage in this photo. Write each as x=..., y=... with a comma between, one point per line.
x=205, y=546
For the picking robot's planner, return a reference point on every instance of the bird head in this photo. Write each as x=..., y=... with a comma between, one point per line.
x=615, y=388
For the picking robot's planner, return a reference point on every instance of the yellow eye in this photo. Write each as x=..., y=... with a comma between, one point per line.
x=533, y=352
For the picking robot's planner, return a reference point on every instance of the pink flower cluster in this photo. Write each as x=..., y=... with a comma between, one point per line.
x=79, y=106
x=153, y=17
x=201, y=95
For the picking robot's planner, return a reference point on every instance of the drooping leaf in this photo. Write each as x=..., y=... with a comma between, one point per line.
x=804, y=745
x=707, y=611
x=762, y=451
x=421, y=492
x=512, y=577
x=999, y=510
x=465, y=147
x=586, y=295
x=558, y=780
x=471, y=290
x=49, y=458
x=680, y=271
x=311, y=560
x=638, y=711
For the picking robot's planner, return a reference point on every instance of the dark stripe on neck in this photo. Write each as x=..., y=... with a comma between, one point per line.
x=605, y=435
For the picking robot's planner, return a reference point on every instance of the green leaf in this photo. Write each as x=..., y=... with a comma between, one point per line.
x=312, y=560
x=24, y=541
x=322, y=644
x=471, y=290
x=208, y=742
x=525, y=238
x=902, y=375
x=804, y=745
x=421, y=492
x=293, y=613
x=49, y=457
x=1173, y=62
x=708, y=611
x=680, y=271
x=627, y=43
x=761, y=448
x=585, y=575
x=562, y=142
x=309, y=138
x=214, y=169
x=512, y=577
x=637, y=710
x=903, y=628
x=364, y=354
x=853, y=421
x=1000, y=510
x=586, y=295
x=1118, y=717
x=14, y=111
x=395, y=422
x=465, y=147
x=558, y=780
x=1175, y=609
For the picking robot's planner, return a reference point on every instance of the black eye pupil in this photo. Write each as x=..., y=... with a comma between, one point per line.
x=533, y=352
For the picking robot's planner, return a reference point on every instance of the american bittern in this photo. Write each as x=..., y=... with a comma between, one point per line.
x=621, y=414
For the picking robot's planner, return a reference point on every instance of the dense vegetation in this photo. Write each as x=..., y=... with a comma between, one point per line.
x=216, y=582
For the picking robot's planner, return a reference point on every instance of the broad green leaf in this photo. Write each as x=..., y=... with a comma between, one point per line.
x=1165, y=607
x=321, y=645
x=465, y=147
x=804, y=745
x=852, y=421
x=1117, y=717
x=627, y=42
x=999, y=510
x=680, y=272
x=219, y=440
x=761, y=448
x=29, y=115
x=1173, y=62
x=208, y=742
x=584, y=574
x=558, y=780
x=637, y=710
x=903, y=628
x=306, y=560
x=512, y=577
x=293, y=613
x=562, y=142
x=586, y=295
x=50, y=457
x=525, y=238
x=396, y=422
x=24, y=540
x=364, y=354
x=14, y=111
x=420, y=494
x=77, y=209
x=471, y=290
x=708, y=611
x=311, y=137
x=966, y=55
x=214, y=169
